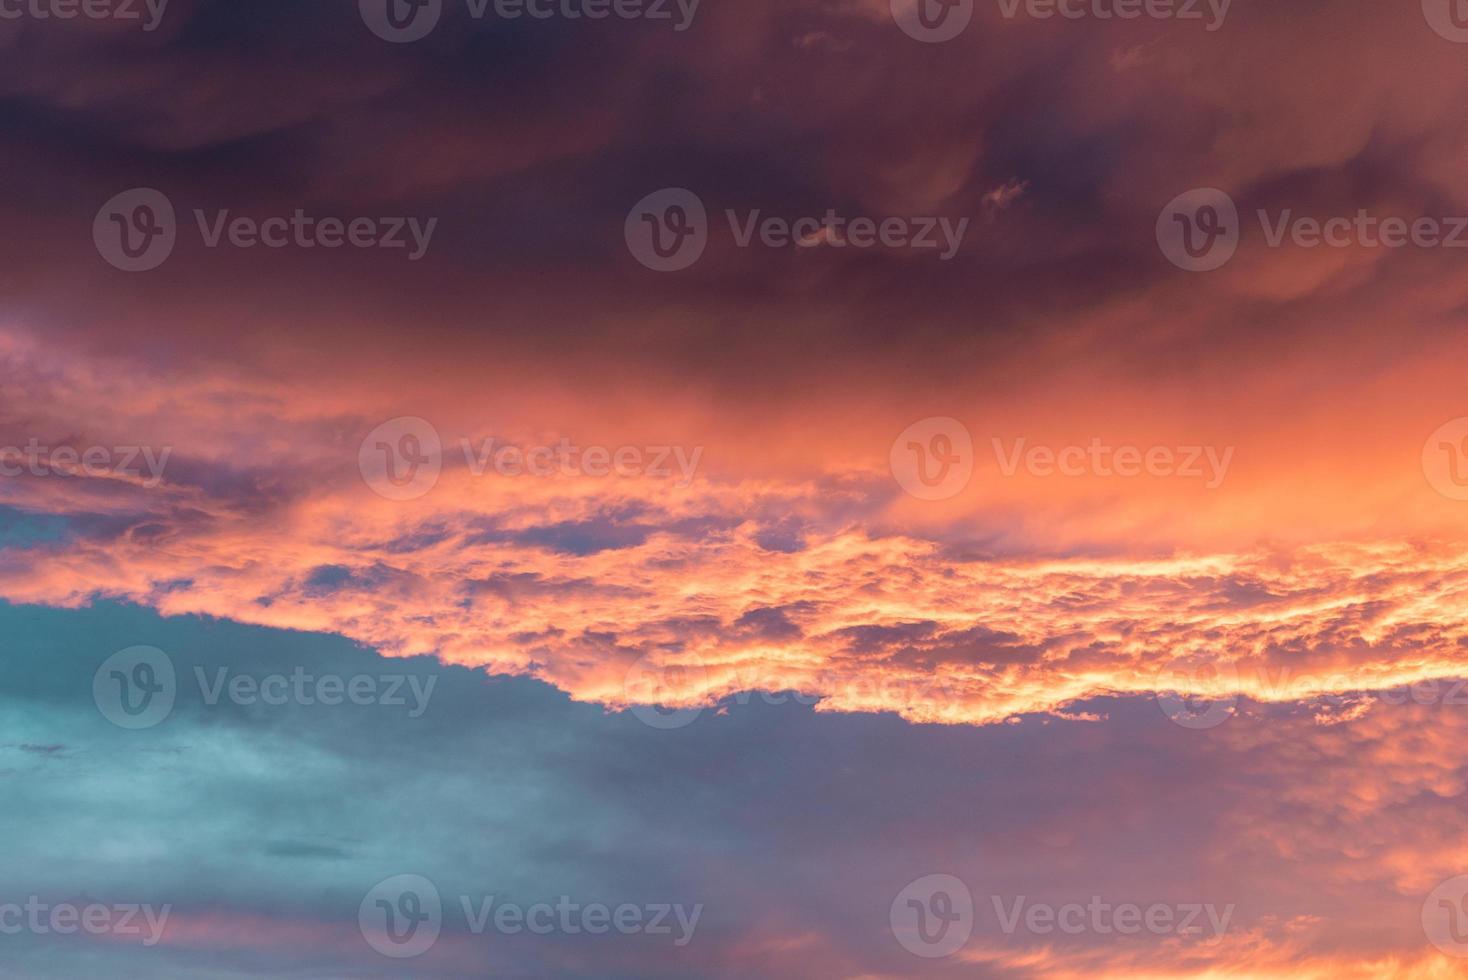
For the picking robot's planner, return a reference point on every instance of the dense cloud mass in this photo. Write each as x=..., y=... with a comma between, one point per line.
x=776, y=581
x=822, y=582
x=1317, y=838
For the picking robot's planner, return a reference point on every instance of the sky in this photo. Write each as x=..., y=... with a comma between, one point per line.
x=788, y=488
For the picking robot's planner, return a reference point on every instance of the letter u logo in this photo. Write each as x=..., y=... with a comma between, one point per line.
x=1456, y=928
x=1208, y=226
x=940, y=450
x=409, y=451
x=675, y=221
x=940, y=907
x=402, y=13
x=145, y=680
x=1457, y=455
x=143, y=220
x=410, y=907
x=933, y=13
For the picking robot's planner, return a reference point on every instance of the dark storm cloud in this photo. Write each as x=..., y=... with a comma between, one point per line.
x=529, y=140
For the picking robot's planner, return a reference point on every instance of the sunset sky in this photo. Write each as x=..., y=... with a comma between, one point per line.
x=754, y=457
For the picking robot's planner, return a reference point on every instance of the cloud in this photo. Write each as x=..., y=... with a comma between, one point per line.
x=795, y=828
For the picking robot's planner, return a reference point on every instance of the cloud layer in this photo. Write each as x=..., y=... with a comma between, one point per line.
x=1050, y=681
x=264, y=826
